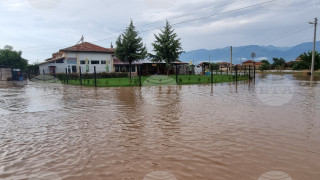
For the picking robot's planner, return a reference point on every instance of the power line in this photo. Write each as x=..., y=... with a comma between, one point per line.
x=195, y=12
x=284, y=36
x=196, y=19
x=217, y=14
x=170, y=18
x=46, y=48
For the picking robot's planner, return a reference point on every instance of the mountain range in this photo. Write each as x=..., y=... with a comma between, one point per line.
x=243, y=53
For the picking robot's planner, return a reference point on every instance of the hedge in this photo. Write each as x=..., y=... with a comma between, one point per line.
x=62, y=76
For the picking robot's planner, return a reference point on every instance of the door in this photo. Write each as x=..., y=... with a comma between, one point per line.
x=52, y=69
x=74, y=69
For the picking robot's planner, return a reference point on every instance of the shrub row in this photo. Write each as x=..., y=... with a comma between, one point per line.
x=62, y=76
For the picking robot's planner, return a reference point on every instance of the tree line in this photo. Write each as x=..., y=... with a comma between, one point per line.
x=303, y=64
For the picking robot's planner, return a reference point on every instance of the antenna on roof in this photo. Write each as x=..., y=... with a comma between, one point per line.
x=81, y=40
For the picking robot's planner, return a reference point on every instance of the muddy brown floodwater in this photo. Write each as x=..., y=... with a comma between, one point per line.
x=52, y=131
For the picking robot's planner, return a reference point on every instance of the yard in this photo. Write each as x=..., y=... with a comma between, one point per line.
x=156, y=80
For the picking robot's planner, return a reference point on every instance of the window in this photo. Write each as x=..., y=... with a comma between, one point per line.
x=72, y=61
x=82, y=62
x=95, y=62
x=103, y=62
x=124, y=68
x=60, y=61
x=117, y=68
x=133, y=68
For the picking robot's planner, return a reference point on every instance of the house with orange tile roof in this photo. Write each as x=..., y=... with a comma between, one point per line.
x=86, y=56
x=82, y=56
x=251, y=64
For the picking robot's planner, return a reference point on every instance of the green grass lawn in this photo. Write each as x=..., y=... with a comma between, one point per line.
x=157, y=80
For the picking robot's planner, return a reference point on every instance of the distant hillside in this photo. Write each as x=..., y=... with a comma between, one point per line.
x=244, y=52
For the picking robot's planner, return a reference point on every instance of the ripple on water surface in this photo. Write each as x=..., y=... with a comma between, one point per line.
x=184, y=132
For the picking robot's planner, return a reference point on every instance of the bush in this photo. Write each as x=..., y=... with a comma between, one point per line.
x=62, y=76
x=73, y=76
x=300, y=65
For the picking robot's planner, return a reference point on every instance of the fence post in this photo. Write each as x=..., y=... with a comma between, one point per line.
x=211, y=75
x=80, y=75
x=67, y=75
x=140, y=75
x=95, y=77
x=236, y=73
x=249, y=72
x=28, y=73
x=177, y=73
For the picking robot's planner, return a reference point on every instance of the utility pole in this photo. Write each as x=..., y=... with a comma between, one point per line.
x=314, y=44
x=231, y=60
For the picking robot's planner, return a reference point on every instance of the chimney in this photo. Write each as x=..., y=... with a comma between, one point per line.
x=111, y=46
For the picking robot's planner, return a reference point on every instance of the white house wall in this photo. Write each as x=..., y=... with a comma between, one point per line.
x=60, y=67
x=95, y=57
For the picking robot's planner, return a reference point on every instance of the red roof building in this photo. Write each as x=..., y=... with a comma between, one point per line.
x=224, y=64
x=84, y=56
x=251, y=63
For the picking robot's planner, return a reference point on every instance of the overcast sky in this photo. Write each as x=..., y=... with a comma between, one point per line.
x=42, y=27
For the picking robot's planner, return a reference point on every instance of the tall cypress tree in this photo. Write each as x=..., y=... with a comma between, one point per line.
x=130, y=47
x=167, y=47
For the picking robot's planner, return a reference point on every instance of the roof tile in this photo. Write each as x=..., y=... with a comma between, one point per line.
x=87, y=47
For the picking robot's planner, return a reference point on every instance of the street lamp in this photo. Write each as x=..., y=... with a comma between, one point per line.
x=314, y=44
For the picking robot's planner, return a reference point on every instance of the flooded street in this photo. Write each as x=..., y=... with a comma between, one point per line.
x=81, y=133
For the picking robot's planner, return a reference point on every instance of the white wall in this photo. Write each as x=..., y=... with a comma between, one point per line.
x=60, y=67
x=96, y=57
x=198, y=69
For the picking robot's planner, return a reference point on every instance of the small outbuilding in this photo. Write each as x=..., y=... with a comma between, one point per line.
x=5, y=73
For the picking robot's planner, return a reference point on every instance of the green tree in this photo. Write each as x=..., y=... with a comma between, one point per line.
x=33, y=69
x=10, y=57
x=214, y=66
x=167, y=47
x=130, y=47
x=307, y=59
x=265, y=65
x=278, y=63
x=301, y=65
